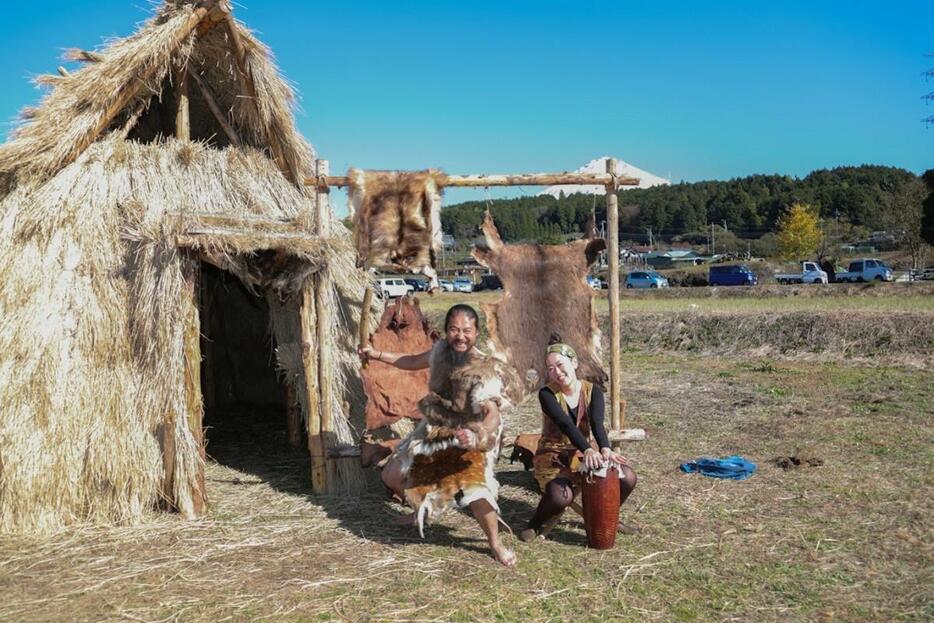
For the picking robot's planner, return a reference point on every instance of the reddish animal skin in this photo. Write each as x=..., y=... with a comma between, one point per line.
x=393, y=393
x=544, y=291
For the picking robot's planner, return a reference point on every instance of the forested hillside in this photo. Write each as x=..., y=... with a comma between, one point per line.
x=869, y=197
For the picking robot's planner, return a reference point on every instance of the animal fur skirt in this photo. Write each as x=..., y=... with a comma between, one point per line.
x=441, y=476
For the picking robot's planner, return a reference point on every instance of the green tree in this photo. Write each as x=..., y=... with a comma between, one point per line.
x=799, y=235
x=927, y=220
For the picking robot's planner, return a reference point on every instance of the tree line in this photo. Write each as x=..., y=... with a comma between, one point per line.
x=855, y=199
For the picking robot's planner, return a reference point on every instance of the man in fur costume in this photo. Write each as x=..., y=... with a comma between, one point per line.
x=448, y=459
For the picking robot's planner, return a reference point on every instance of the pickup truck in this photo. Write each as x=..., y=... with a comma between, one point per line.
x=867, y=270
x=810, y=273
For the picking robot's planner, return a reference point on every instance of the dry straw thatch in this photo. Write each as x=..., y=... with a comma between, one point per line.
x=92, y=204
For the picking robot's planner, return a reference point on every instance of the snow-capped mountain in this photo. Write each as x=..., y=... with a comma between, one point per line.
x=623, y=169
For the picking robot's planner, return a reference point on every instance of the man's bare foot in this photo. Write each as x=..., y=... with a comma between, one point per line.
x=504, y=556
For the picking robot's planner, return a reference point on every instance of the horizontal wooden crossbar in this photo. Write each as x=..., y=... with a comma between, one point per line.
x=482, y=181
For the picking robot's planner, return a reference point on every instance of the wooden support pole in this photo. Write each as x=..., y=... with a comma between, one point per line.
x=228, y=129
x=193, y=400
x=532, y=179
x=310, y=366
x=182, y=107
x=363, y=328
x=293, y=417
x=321, y=285
x=612, y=224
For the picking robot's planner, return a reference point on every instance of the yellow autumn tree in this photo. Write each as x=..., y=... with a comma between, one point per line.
x=799, y=234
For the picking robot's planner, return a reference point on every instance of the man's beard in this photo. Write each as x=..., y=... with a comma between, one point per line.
x=458, y=359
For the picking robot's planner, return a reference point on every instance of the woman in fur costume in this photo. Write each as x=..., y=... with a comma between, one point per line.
x=573, y=434
x=448, y=459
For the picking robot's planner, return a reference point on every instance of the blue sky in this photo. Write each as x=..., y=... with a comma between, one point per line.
x=690, y=90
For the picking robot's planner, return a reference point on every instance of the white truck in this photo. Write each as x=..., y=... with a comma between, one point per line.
x=867, y=269
x=810, y=273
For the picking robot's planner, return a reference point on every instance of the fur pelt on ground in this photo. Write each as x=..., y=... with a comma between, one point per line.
x=397, y=219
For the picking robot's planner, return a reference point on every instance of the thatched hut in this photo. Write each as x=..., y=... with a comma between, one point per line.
x=167, y=159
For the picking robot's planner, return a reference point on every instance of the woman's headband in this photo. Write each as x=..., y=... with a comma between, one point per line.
x=561, y=349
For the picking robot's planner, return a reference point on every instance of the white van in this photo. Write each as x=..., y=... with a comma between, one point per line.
x=391, y=287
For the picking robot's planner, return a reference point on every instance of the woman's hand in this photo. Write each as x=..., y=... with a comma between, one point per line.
x=612, y=457
x=592, y=459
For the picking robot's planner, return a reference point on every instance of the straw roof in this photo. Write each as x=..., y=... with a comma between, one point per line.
x=138, y=69
x=94, y=205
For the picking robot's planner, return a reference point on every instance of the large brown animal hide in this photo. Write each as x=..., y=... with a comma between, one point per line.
x=393, y=393
x=397, y=219
x=544, y=291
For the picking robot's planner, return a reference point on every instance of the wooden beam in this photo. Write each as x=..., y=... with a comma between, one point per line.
x=129, y=91
x=232, y=135
x=182, y=107
x=626, y=434
x=200, y=237
x=612, y=224
x=310, y=347
x=248, y=88
x=242, y=221
x=474, y=181
x=191, y=269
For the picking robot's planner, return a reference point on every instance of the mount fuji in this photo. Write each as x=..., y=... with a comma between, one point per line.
x=598, y=166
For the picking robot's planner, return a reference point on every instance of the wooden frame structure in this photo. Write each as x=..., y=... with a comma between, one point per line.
x=609, y=180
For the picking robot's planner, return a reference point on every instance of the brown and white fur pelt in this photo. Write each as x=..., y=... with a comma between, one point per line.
x=459, y=386
x=397, y=219
x=442, y=473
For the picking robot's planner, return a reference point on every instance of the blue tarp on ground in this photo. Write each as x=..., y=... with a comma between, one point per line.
x=732, y=467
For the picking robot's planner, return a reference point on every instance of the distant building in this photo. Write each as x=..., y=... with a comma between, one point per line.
x=672, y=257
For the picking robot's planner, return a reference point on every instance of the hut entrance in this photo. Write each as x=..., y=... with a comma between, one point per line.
x=244, y=398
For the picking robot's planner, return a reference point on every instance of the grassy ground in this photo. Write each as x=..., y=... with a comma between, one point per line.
x=831, y=298
x=845, y=536
x=846, y=540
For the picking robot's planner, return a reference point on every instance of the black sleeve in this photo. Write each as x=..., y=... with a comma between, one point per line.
x=560, y=417
x=597, y=412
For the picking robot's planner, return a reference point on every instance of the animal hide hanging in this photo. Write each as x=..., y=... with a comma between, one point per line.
x=397, y=219
x=392, y=393
x=544, y=290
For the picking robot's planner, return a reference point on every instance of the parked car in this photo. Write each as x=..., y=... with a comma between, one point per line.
x=419, y=285
x=921, y=274
x=595, y=282
x=446, y=284
x=391, y=287
x=489, y=282
x=731, y=275
x=645, y=279
x=463, y=284
x=867, y=269
x=810, y=273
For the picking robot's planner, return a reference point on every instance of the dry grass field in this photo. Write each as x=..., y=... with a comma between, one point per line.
x=835, y=526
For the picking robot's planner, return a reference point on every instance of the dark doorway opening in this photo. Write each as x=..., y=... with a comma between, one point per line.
x=244, y=397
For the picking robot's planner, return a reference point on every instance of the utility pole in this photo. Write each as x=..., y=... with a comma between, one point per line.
x=651, y=241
